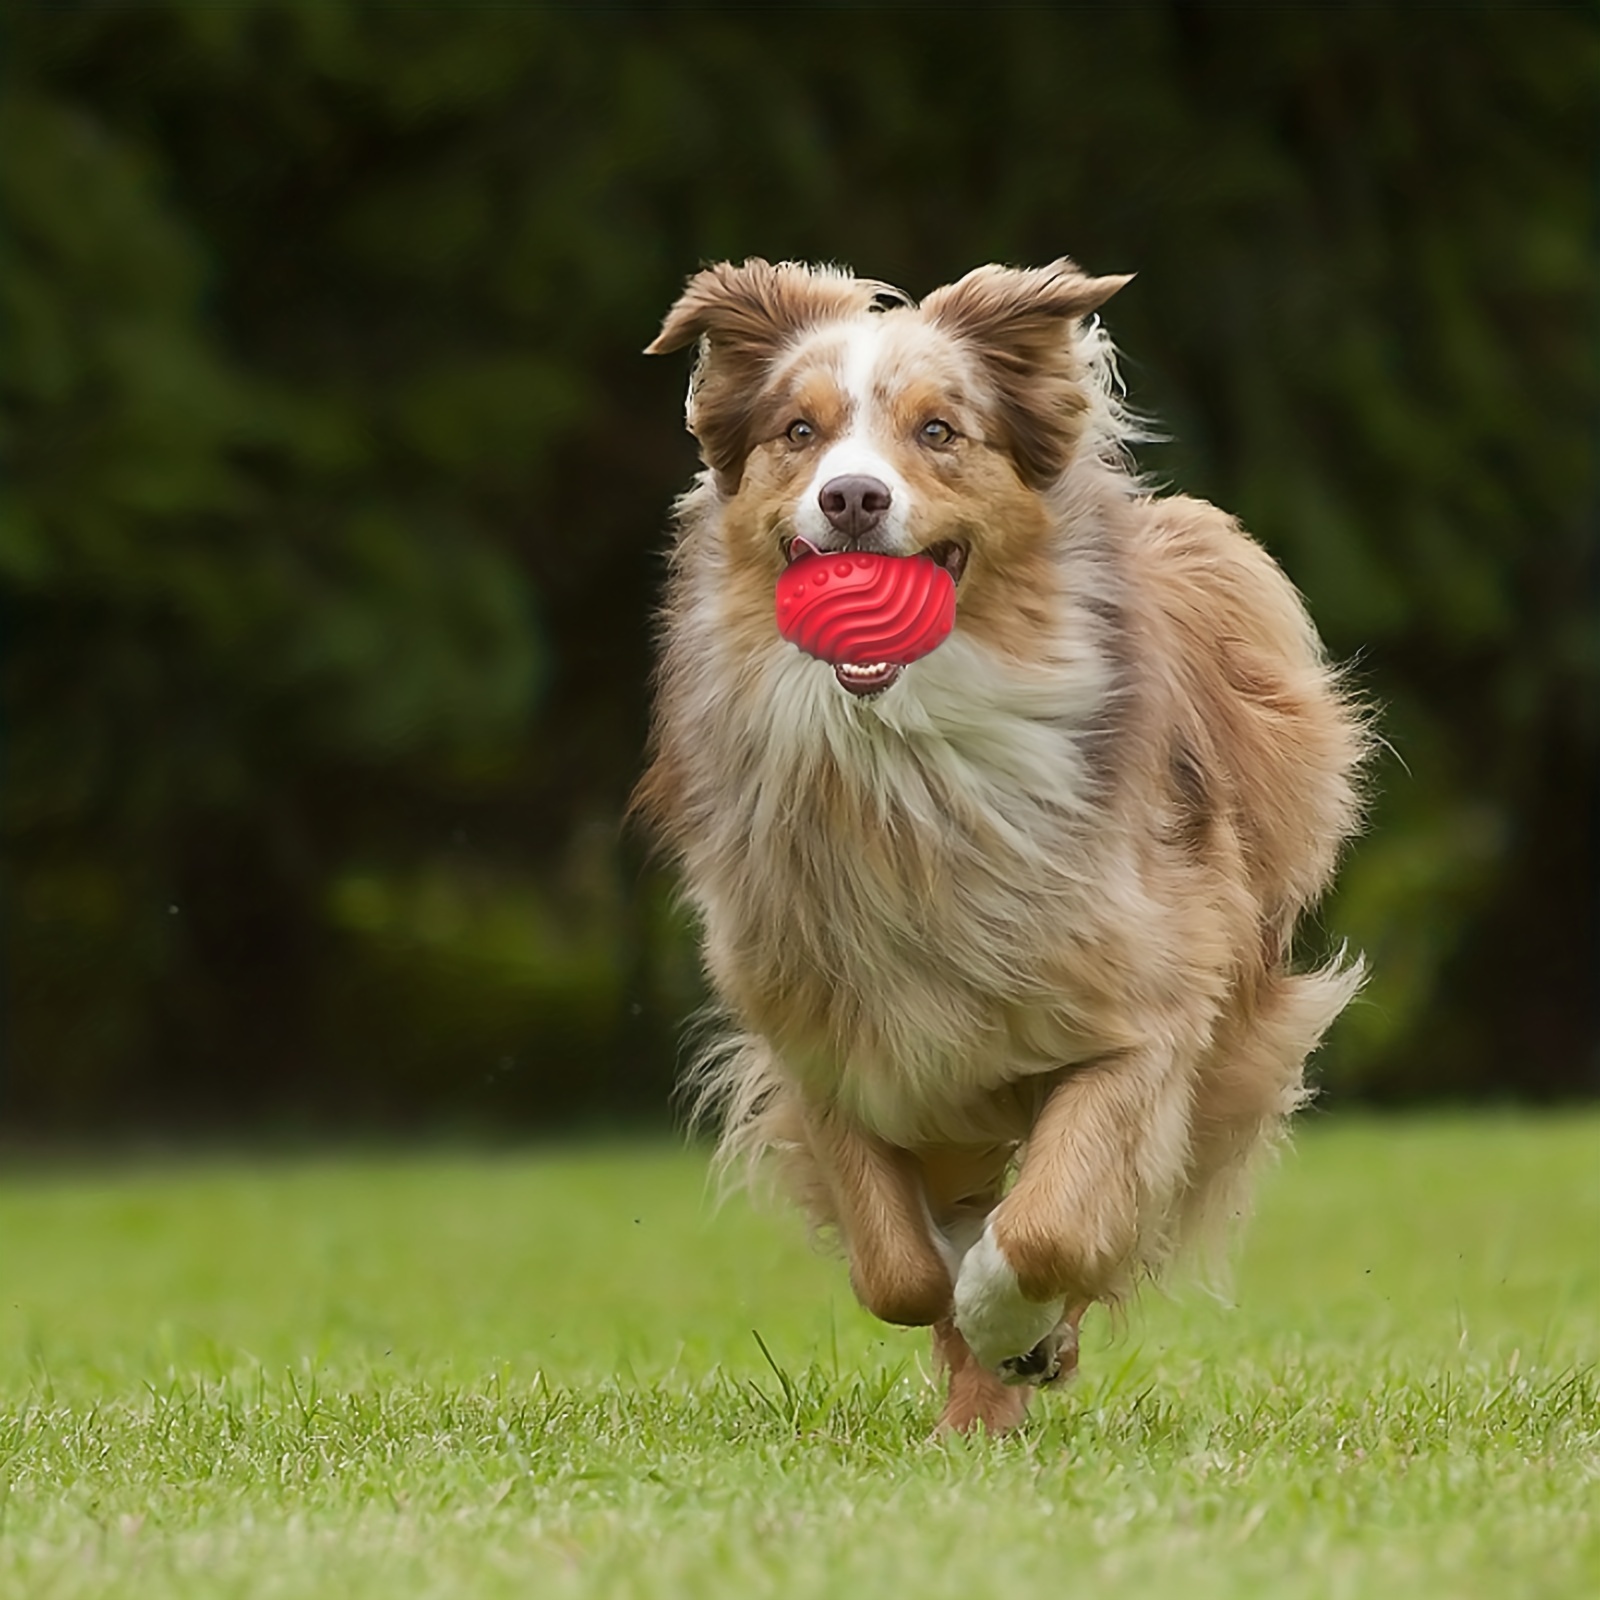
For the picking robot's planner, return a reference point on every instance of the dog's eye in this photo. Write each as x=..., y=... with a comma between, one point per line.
x=800, y=432
x=937, y=432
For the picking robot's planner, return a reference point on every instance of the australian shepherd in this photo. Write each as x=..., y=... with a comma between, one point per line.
x=1004, y=934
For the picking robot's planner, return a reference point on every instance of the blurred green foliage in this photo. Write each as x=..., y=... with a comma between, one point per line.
x=334, y=487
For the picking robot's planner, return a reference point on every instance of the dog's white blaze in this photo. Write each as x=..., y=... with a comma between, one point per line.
x=860, y=359
x=855, y=453
x=991, y=1313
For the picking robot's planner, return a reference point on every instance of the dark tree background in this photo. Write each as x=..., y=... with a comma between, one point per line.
x=334, y=486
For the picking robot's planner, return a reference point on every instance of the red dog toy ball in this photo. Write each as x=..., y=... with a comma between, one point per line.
x=856, y=608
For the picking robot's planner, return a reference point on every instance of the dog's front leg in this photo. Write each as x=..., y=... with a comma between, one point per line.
x=896, y=1269
x=1109, y=1147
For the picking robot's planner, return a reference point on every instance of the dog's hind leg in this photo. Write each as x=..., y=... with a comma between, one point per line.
x=977, y=1397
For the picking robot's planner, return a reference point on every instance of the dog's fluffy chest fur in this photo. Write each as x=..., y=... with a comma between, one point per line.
x=892, y=889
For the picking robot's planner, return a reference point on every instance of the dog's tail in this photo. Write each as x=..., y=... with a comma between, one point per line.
x=1252, y=1080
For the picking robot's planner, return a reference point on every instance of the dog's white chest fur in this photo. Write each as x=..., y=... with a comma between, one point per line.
x=890, y=869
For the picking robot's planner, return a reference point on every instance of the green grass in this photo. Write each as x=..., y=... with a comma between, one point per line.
x=539, y=1375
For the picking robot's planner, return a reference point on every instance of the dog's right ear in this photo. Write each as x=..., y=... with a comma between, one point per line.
x=742, y=317
x=739, y=304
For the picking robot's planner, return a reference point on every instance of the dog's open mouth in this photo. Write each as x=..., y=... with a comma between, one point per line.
x=950, y=555
x=867, y=678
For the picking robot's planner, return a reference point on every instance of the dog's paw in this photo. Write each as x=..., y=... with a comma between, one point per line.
x=1053, y=1360
x=1041, y=1365
x=1004, y=1331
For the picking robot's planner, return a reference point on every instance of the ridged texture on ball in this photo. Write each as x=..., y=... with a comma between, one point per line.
x=862, y=608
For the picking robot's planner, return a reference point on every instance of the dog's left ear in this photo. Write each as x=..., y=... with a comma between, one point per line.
x=1024, y=324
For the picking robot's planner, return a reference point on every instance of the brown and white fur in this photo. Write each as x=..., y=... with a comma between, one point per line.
x=1006, y=940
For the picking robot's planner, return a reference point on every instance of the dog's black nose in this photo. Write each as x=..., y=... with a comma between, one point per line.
x=854, y=505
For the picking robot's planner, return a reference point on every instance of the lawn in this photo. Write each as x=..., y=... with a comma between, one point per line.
x=564, y=1373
